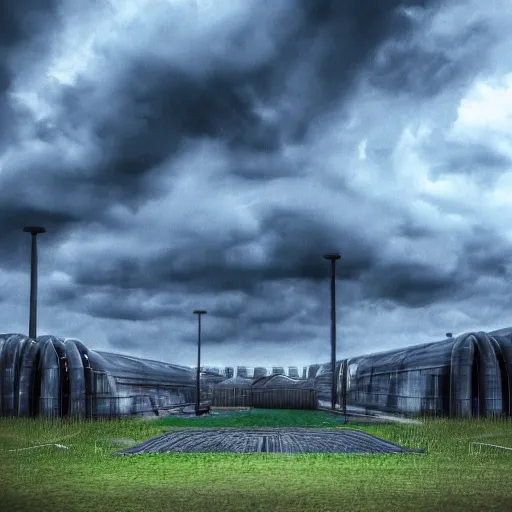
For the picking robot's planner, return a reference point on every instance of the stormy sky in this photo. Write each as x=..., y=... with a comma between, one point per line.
x=187, y=154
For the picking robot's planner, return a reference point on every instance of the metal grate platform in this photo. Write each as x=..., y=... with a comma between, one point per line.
x=266, y=440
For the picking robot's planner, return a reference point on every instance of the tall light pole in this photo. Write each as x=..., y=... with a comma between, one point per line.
x=198, y=312
x=333, y=257
x=33, y=230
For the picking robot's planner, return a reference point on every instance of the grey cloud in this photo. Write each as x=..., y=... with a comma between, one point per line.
x=413, y=229
x=411, y=63
x=300, y=240
x=123, y=343
x=482, y=253
x=413, y=284
x=134, y=307
x=20, y=22
x=293, y=246
x=157, y=103
x=14, y=243
x=152, y=105
x=486, y=253
x=23, y=25
x=231, y=305
x=481, y=161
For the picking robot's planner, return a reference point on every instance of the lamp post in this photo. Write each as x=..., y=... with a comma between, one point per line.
x=333, y=257
x=33, y=230
x=198, y=312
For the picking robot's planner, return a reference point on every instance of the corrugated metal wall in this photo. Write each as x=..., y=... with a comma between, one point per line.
x=282, y=398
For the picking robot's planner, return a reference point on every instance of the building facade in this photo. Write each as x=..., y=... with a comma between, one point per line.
x=470, y=375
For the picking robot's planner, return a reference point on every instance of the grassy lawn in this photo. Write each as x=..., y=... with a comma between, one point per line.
x=86, y=477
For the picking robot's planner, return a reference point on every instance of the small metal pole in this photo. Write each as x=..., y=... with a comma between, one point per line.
x=32, y=326
x=198, y=312
x=344, y=390
x=333, y=257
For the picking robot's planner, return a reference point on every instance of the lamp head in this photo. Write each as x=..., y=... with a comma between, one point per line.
x=332, y=256
x=34, y=229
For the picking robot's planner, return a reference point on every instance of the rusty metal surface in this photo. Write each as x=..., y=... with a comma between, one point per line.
x=266, y=440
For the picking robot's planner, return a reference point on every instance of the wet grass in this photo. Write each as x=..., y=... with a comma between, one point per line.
x=85, y=476
x=260, y=418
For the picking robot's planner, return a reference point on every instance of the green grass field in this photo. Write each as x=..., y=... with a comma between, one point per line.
x=449, y=477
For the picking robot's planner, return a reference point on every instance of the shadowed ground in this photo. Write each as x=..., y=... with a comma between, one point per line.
x=266, y=440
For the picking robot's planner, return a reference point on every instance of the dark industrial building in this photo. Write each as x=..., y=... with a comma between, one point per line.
x=53, y=376
x=282, y=392
x=469, y=375
x=234, y=392
x=465, y=376
x=273, y=392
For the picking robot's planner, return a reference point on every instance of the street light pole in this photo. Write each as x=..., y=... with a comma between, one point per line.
x=33, y=230
x=198, y=312
x=333, y=257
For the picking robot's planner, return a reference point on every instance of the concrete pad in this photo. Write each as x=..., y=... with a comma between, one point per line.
x=266, y=440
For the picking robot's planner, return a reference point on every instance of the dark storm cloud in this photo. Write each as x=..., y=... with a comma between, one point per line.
x=292, y=243
x=412, y=284
x=157, y=106
x=409, y=63
x=217, y=334
x=423, y=72
x=134, y=307
x=482, y=253
x=258, y=167
x=70, y=294
x=419, y=71
x=14, y=243
x=154, y=104
x=346, y=35
x=320, y=62
x=486, y=253
x=184, y=165
x=22, y=23
x=231, y=305
x=474, y=158
x=477, y=159
x=122, y=342
x=414, y=229
x=299, y=240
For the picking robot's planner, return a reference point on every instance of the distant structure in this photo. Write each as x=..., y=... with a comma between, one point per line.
x=272, y=392
x=241, y=371
x=233, y=392
x=260, y=372
x=282, y=392
x=293, y=372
